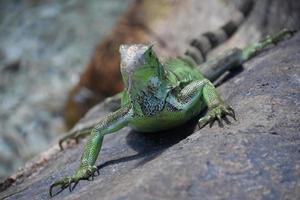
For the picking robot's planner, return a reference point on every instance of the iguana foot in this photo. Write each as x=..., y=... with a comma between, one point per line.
x=217, y=113
x=76, y=135
x=70, y=136
x=67, y=181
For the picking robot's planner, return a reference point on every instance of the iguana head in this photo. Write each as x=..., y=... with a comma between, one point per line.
x=139, y=63
x=132, y=57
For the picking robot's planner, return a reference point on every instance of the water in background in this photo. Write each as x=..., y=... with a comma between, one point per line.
x=43, y=47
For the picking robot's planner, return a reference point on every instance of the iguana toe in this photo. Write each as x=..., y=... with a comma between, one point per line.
x=218, y=113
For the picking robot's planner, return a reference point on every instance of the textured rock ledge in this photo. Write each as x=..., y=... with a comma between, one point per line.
x=257, y=157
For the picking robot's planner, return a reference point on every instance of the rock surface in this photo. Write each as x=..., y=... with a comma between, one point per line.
x=45, y=44
x=257, y=157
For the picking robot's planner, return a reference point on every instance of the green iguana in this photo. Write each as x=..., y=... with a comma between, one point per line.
x=159, y=96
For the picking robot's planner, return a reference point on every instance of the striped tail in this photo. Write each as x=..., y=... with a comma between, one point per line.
x=199, y=47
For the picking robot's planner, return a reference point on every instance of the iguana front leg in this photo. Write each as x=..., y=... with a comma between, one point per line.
x=216, y=107
x=112, y=103
x=203, y=91
x=109, y=124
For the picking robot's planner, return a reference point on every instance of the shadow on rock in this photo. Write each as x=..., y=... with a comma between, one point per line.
x=151, y=145
x=229, y=75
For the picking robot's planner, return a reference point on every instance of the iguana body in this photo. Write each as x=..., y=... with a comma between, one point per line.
x=160, y=96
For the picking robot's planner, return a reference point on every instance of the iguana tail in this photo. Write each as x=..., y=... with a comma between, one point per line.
x=234, y=58
x=199, y=47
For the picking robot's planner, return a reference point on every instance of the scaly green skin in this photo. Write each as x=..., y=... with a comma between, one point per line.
x=161, y=96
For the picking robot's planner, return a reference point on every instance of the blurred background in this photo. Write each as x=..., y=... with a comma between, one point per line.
x=44, y=45
x=59, y=58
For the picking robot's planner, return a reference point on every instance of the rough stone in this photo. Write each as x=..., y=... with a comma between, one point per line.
x=257, y=157
x=45, y=44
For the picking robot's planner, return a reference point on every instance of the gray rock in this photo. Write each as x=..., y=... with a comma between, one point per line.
x=257, y=157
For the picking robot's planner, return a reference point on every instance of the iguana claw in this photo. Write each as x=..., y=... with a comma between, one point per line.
x=67, y=181
x=217, y=113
